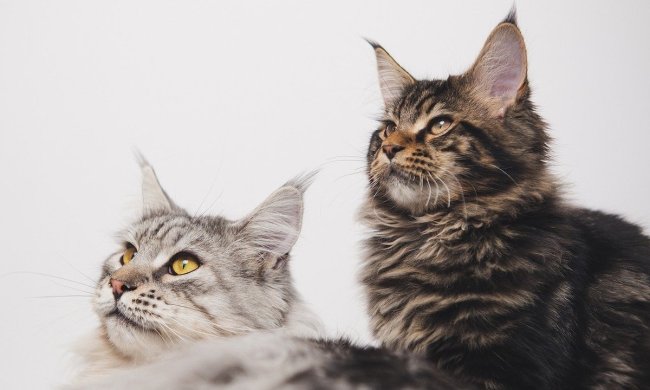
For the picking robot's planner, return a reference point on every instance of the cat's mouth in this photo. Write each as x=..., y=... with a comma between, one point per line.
x=400, y=175
x=124, y=320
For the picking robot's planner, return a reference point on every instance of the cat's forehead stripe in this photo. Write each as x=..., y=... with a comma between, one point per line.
x=154, y=229
x=171, y=226
x=419, y=101
x=180, y=232
x=428, y=99
x=159, y=229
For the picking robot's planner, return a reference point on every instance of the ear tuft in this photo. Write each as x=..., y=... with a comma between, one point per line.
x=499, y=73
x=154, y=197
x=302, y=181
x=393, y=79
x=512, y=15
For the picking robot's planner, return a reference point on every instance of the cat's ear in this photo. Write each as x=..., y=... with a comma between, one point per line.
x=393, y=79
x=154, y=197
x=273, y=228
x=499, y=73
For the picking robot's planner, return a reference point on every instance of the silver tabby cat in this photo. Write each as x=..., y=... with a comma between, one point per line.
x=178, y=277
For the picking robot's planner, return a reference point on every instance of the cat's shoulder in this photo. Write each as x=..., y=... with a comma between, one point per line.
x=605, y=229
x=613, y=245
x=603, y=224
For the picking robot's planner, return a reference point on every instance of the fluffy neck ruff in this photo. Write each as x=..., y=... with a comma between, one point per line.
x=447, y=223
x=464, y=243
x=98, y=357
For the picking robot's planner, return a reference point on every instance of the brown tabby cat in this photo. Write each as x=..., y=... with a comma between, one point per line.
x=475, y=260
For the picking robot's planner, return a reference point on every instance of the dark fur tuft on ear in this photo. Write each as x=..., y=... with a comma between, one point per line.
x=372, y=43
x=512, y=15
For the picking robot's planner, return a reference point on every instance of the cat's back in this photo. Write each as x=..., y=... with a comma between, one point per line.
x=616, y=314
x=614, y=248
x=274, y=360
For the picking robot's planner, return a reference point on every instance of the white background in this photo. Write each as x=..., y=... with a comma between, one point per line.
x=230, y=99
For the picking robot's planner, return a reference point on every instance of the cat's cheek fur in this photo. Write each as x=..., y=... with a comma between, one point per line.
x=103, y=301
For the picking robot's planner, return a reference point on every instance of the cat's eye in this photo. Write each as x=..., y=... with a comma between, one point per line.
x=128, y=255
x=440, y=124
x=183, y=263
x=389, y=128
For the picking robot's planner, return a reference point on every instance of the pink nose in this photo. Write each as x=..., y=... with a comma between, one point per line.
x=119, y=287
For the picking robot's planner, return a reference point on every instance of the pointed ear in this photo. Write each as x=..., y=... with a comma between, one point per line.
x=499, y=73
x=273, y=228
x=154, y=197
x=393, y=79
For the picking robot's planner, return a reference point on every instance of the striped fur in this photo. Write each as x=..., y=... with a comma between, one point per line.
x=243, y=284
x=474, y=259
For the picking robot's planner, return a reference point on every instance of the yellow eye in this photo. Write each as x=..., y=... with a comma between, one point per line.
x=440, y=124
x=128, y=255
x=183, y=263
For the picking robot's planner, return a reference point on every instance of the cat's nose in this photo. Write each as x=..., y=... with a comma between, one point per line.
x=391, y=150
x=120, y=287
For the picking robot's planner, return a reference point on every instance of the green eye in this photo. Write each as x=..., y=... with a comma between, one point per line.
x=183, y=263
x=128, y=255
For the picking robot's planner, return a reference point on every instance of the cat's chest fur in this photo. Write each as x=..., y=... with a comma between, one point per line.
x=440, y=283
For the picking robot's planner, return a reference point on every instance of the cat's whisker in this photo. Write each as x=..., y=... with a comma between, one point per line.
x=91, y=280
x=90, y=293
x=327, y=164
x=214, y=182
x=172, y=331
x=446, y=187
x=207, y=210
x=206, y=315
x=505, y=173
x=462, y=191
x=162, y=337
x=45, y=275
x=213, y=329
x=435, y=201
x=345, y=159
x=358, y=171
x=59, y=296
x=183, y=326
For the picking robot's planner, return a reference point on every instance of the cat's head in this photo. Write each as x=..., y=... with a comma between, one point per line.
x=177, y=276
x=473, y=136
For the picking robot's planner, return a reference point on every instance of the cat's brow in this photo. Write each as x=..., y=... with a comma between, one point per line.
x=153, y=230
x=172, y=225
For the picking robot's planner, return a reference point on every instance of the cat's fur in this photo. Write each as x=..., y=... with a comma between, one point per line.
x=474, y=259
x=268, y=360
x=243, y=284
x=171, y=330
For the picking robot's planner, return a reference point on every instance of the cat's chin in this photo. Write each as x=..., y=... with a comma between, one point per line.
x=132, y=339
x=409, y=195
